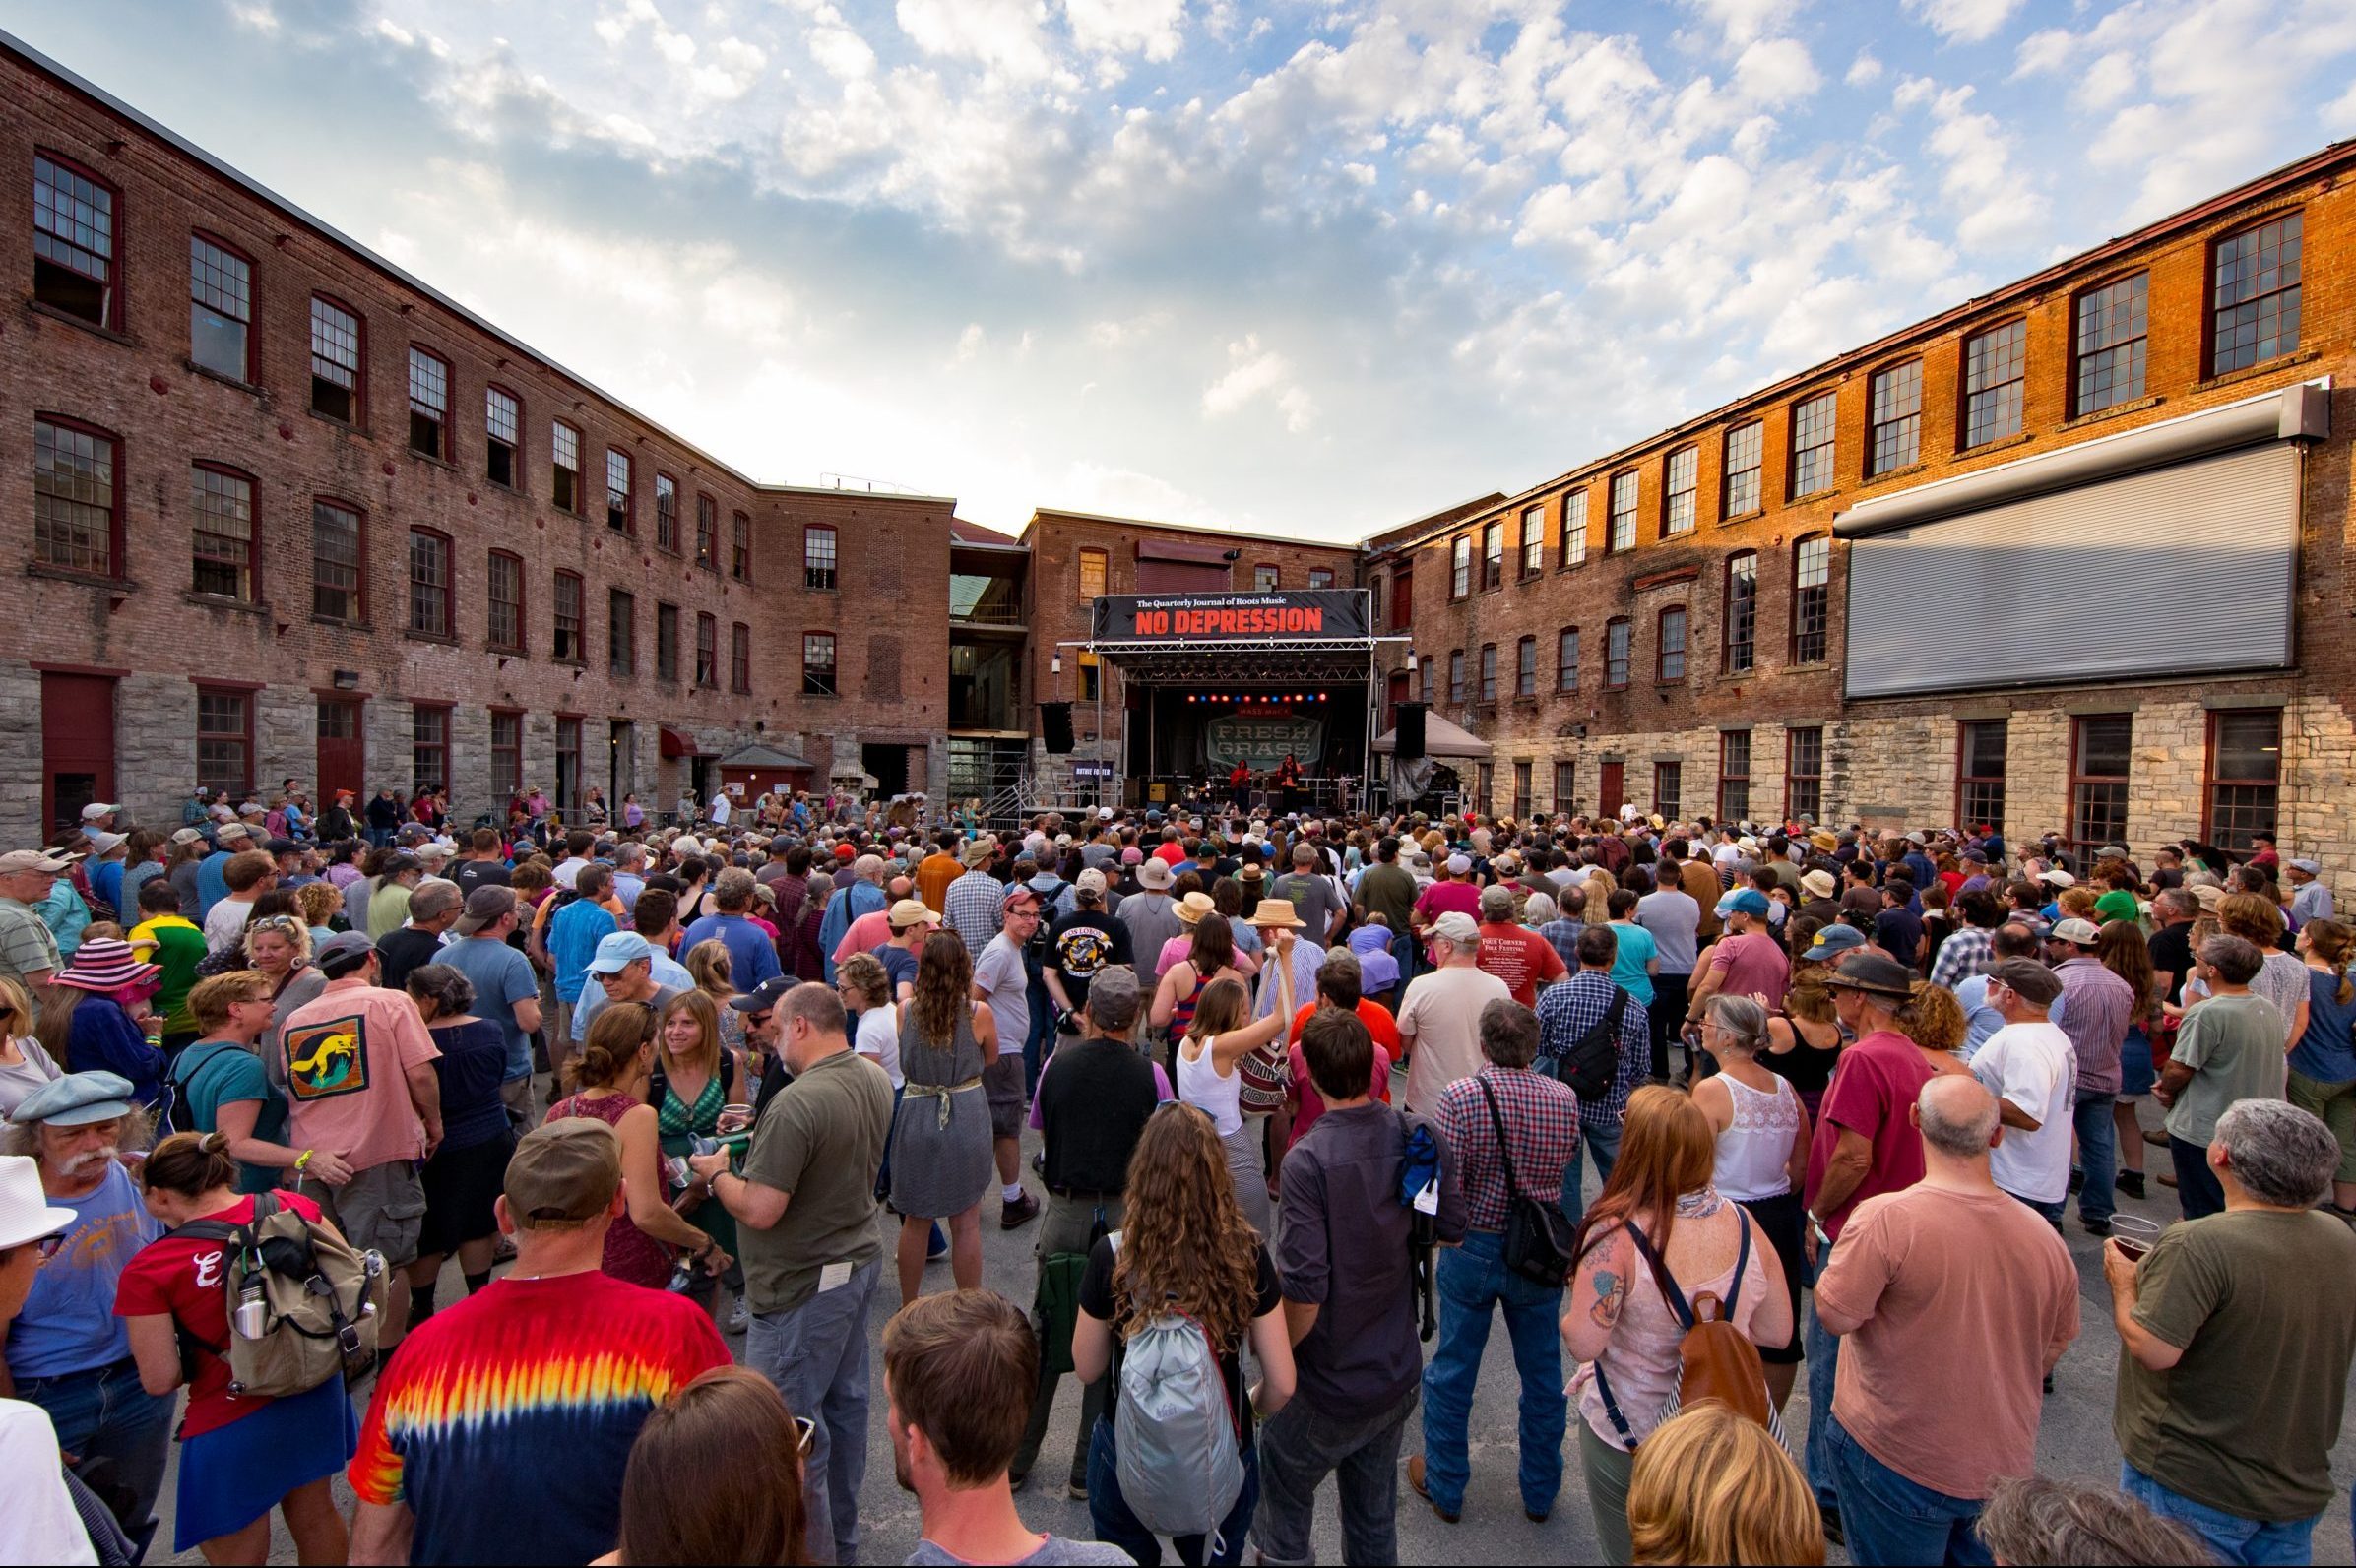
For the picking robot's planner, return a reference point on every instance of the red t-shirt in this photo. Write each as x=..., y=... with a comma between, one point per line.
x=1442, y=898
x=1386, y=1030
x=184, y=1279
x=1521, y=957
x=1873, y=1084
x=1170, y=855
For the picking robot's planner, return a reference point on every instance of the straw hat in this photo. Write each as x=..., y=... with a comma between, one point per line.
x=1194, y=906
x=1276, y=911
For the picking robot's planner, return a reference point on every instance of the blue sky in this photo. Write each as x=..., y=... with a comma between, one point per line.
x=1304, y=267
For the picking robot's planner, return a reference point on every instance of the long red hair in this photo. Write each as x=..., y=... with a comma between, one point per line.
x=1666, y=1151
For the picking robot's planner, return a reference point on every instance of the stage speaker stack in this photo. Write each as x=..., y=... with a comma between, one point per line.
x=1055, y=727
x=1411, y=731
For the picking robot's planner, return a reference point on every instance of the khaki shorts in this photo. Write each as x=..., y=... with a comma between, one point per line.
x=1003, y=1082
x=381, y=1206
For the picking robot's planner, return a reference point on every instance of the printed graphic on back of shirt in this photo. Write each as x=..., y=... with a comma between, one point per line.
x=327, y=1058
x=1084, y=951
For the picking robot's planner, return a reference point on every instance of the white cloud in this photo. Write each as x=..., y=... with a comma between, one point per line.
x=840, y=51
x=1864, y=71
x=1253, y=373
x=1002, y=34
x=1964, y=20
x=1776, y=70
x=1149, y=28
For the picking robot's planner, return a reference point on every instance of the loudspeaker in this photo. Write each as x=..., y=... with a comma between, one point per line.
x=1411, y=731
x=1055, y=727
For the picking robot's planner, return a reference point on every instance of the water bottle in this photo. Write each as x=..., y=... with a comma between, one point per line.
x=252, y=1317
x=682, y=1276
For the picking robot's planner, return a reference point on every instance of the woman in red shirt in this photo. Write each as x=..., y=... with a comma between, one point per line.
x=240, y=1455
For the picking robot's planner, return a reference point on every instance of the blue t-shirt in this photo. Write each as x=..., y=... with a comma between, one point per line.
x=215, y=1073
x=211, y=886
x=68, y=1324
x=470, y=1068
x=1637, y=950
x=2326, y=1053
x=899, y=963
x=752, y=956
x=574, y=933
x=106, y=881
x=501, y=977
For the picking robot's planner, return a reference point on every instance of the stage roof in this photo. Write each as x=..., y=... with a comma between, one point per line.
x=1440, y=740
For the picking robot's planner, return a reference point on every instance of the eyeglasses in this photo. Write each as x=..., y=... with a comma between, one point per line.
x=805, y=1433
x=48, y=1248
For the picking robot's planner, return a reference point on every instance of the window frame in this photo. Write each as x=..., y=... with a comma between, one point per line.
x=1793, y=778
x=1665, y=652
x=1737, y=616
x=2081, y=354
x=113, y=306
x=1729, y=810
x=447, y=630
x=626, y=525
x=420, y=747
x=1460, y=568
x=1530, y=542
x=1680, y=509
x=2009, y=395
x=707, y=530
x=1456, y=687
x=1316, y=572
x=357, y=418
x=1669, y=788
x=666, y=641
x=444, y=442
x=117, y=531
x=1974, y=790
x=1523, y=798
x=1730, y=472
x=1567, y=668
x=739, y=659
x=815, y=578
x=667, y=518
x=242, y=735
x=564, y=485
x=2212, y=782
x=568, y=749
x=1800, y=629
x=706, y=651
x=1566, y=782
x=1573, y=548
x=1894, y=416
x=621, y=634
x=832, y=683
x=252, y=566
x=1526, y=667
x=1266, y=577
x=1623, y=630
x=520, y=640
x=739, y=546
x=2081, y=781
x=1615, y=513
x=1489, y=674
x=249, y=373
x=1086, y=557
x=358, y=564
x=1492, y=555
x=507, y=775
x=2215, y=322
x=579, y=619
x=492, y=441
x=1804, y=458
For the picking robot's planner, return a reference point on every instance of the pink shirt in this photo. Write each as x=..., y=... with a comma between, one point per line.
x=1753, y=965
x=345, y=1057
x=864, y=934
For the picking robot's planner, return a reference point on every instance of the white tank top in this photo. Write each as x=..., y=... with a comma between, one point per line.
x=1754, y=1150
x=1200, y=1086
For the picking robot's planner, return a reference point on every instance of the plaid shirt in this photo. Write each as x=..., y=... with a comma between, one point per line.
x=1566, y=1012
x=1565, y=937
x=1969, y=951
x=1542, y=1126
x=971, y=907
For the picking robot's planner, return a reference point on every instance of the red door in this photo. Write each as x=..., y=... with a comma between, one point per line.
x=1611, y=788
x=77, y=746
x=1402, y=598
x=1398, y=694
x=343, y=755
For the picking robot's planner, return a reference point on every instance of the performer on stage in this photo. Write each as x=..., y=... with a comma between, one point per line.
x=1288, y=783
x=1238, y=785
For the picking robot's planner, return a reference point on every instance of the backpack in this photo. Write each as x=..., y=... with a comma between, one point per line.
x=323, y=1301
x=1538, y=1238
x=1264, y=1074
x=1716, y=1361
x=1176, y=1429
x=1593, y=1062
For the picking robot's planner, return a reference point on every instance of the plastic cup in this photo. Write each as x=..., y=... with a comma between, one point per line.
x=734, y=1118
x=2136, y=1234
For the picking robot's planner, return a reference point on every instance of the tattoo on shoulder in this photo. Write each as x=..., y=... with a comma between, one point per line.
x=1608, y=1291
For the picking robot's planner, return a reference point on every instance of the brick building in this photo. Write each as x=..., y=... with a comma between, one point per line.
x=2071, y=556
x=284, y=510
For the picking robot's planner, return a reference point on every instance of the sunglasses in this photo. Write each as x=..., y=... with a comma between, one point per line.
x=805, y=1433
x=48, y=1248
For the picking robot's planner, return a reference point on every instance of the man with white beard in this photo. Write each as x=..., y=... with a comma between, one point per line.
x=67, y=1352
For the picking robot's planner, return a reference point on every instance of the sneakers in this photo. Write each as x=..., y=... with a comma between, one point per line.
x=1016, y=1216
x=939, y=1248
x=1415, y=1478
x=2131, y=1184
x=1078, y=1487
x=740, y=1317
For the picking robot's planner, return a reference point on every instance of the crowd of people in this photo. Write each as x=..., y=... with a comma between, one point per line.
x=1313, y=1102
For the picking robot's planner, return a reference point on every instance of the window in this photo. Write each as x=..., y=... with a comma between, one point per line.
x=621, y=633
x=1624, y=512
x=2113, y=325
x=223, y=545
x=739, y=658
x=1485, y=784
x=1263, y=578
x=339, y=582
x=740, y=547
x=1455, y=675
x=1745, y=445
x=335, y=361
x=504, y=592
x=1812, y=599
x=620, y=514
x=1521, y=790
x=1533, y=540
x=1566, y=660
x=1980, y=773
x=2256, y=294
x=2245, y=775
x=1492, y=556
x=429, y=583
x=1092, y=677
x=1403, y=598
x=1684, y=479
x=1742, y=613
x=667, y=642
x=429, y=745
x=1733, y=774
x=568, y=766
x=1575, y=529
x=1670, y=657
x=225, y=740
x=1525, y=668
x=564, y=466
x=707, y=532
x=220, y=309
x=1667, y=787
x=1566, y=780
x=818, y=663
x=1894, y=432
x=1489, y=673
x=75, y=522
x=502, y=424
x=73, y=243
x=818, y=561
x=507, y=754
x=2101, y=748
x=429, y=404
x=568, y=647
x=1320, y=577
x=667, y=513
x=1804, y=772
x=1460, y=566
x=706, y=651
x=1616, y=654
x=1424, y=679
x=1094, y=567
x=1995, y=371
x=1812, y=446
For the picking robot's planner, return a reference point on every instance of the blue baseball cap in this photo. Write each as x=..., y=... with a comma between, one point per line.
x=618, y=951
x=1748, y=900
x=1832, y=942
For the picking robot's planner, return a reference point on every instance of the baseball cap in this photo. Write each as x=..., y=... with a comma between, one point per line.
x=617, y=951
x=1112, y=999
x=2057, y=878
x=19, y=861
x=1455, y=926
x=764, y=996
x=1748, y=900
x=1459, y=865
x=97, y=809
x=1089, y=881
x=1132, y=855
x=186, y=835
x=1832, y=942
x=2078, y=933
x=344, y=953
x=907, y=912
x=484, y=907
x=563, y=1172
x=102, y=842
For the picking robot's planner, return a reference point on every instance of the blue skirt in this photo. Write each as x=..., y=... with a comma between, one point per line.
x=233, y=1474
x=2135, y=1075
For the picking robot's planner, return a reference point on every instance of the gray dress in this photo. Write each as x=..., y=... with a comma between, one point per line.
x=941, y=1156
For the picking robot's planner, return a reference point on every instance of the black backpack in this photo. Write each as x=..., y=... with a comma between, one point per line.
x=1592, y=1064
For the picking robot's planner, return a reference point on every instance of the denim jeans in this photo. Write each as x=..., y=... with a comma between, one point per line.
x=1473, y=1282
x=104, y=1415
x=1823, y=1352
x=1299, y=1449
x=1605, y=1141
x=1117, y=1527
x=1888, y=1519
x=2232, y=1538
x=2098, y=1154
x=2198, y=1193
x=816, y=1355
x=1665, y=1019
x=1037, y=1046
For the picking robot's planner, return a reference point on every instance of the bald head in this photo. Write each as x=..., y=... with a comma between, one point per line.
x=1957, y=1116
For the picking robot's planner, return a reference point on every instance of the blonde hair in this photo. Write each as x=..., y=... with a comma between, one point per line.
x=1711, y=1486
x=1936, y=1022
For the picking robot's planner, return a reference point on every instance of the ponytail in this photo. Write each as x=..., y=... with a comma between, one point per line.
x=190, y=1164
x=606, y=1056
x=2334, y=942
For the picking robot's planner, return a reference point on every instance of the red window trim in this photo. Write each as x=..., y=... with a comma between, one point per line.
x=360, y=407
x=833, y=645
x=739, y=658
x=740, y=544
x=449, y=393
x=672, y=548
x=116, y=293
x=118, y=533
x=523, y=599
x=449, y=712
x=1612, y=512
x=253, y=541
x=245, y=689
x=1749, y=761
x=1962, y=732
x=360, y=547
x=579, y=654
x=253, y=301
x=1693, y=522
x=1627, y=674
x=1660, y=646
x=1572, y=669
x=522, y=416
x=629, y=505
x=704, y=619
x=580, y=485
x=449, y=627
x=1726, y=615
x=2208, y=765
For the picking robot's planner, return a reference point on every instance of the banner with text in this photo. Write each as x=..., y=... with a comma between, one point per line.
x=1284, y=614
x=1261, y=742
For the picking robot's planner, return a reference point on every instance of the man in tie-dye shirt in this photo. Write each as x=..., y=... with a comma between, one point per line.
x=500, y=1430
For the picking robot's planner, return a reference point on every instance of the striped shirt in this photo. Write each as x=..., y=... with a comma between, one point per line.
x=1968, y=951
x=1542, y=1131
x=2093, y=1010
x=971, y=907
x=1566, y=1012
